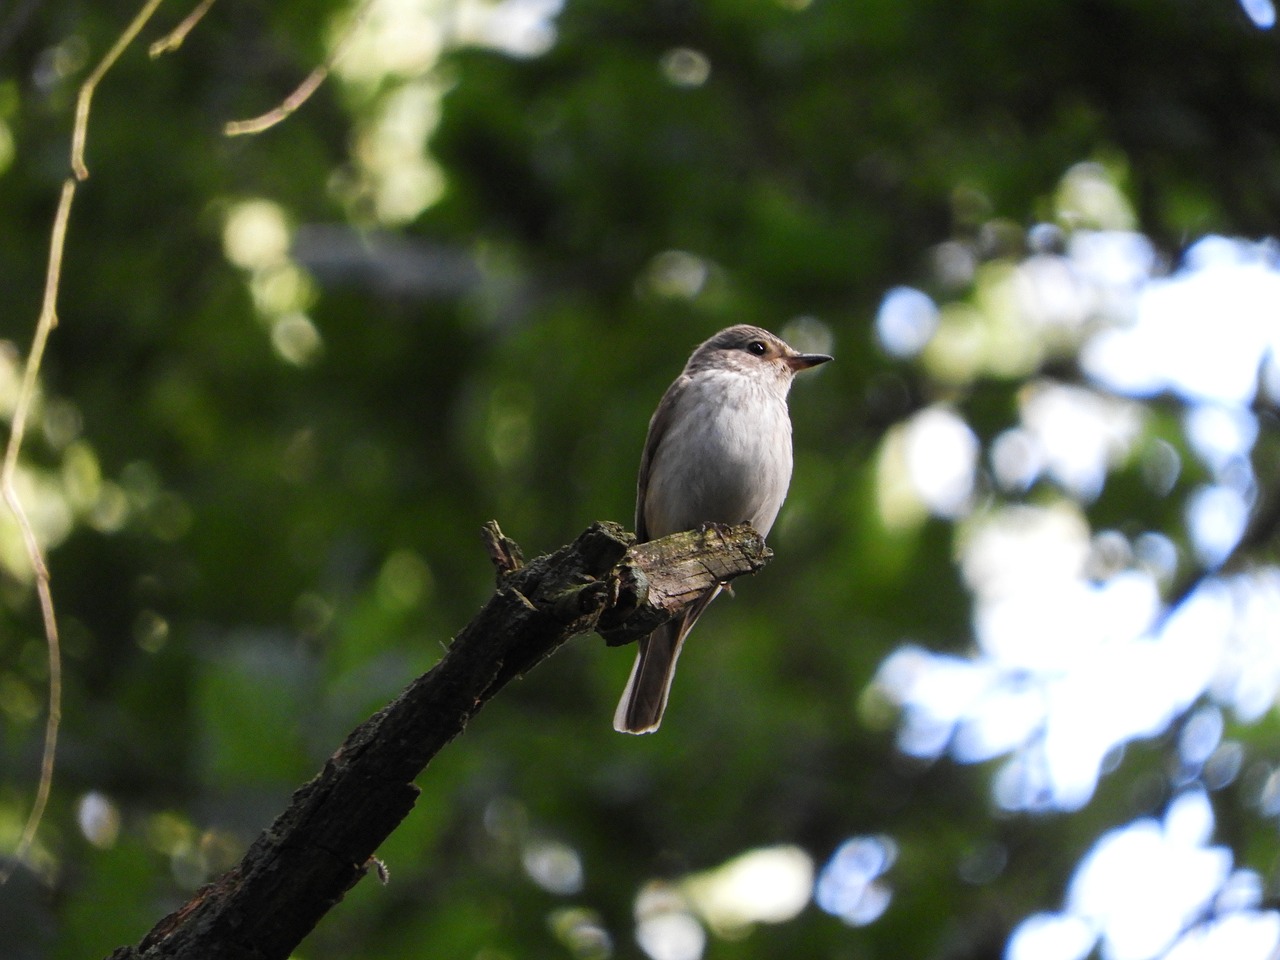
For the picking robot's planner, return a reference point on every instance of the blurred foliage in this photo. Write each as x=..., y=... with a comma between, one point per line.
x=263, y=470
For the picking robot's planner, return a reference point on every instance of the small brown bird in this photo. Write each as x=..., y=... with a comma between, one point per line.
x=718, y=451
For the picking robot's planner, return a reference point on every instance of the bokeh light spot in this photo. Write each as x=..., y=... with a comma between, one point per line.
x=255, y=234
x=99, y=819
x=686, y=67
x=666, y=929
x=906, y=321
x=851, y=884
x=296, y=339
x=1261, y=12
x=768, y=885
x=554, y=866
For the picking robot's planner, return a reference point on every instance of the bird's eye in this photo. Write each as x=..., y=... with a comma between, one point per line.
x=757, y=348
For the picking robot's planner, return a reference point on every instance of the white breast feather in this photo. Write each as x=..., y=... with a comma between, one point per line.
x=729, y=465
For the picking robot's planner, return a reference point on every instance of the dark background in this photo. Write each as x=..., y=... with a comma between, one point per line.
x=253, y=549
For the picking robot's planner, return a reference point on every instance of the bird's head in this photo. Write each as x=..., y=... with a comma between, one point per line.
x=752, y=351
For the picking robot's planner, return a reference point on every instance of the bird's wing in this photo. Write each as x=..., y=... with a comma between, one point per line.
x=658, y=426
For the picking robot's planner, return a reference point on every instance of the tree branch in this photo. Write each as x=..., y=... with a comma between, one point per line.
x=322, y=844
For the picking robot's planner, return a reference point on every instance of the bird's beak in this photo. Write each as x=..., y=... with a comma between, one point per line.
x=803, y=361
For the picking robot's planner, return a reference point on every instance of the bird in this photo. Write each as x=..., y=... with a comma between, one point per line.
x=718, y=451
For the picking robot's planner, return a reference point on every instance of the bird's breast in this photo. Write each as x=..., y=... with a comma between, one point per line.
x=725, y=457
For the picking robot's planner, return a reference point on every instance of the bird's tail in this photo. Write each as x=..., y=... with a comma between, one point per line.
x=645, y=697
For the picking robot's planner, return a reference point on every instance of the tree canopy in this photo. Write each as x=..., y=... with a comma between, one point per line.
x=1007, y=687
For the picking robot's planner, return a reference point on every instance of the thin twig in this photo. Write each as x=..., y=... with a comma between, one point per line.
x=304, y=90
x=174, y=39
x=91, y=84
x=288, y=105
x=26, y=395
x=45, y=325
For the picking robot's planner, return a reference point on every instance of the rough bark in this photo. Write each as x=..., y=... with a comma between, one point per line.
x=323, y=843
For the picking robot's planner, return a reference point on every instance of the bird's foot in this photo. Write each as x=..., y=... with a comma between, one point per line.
x=709, y=525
